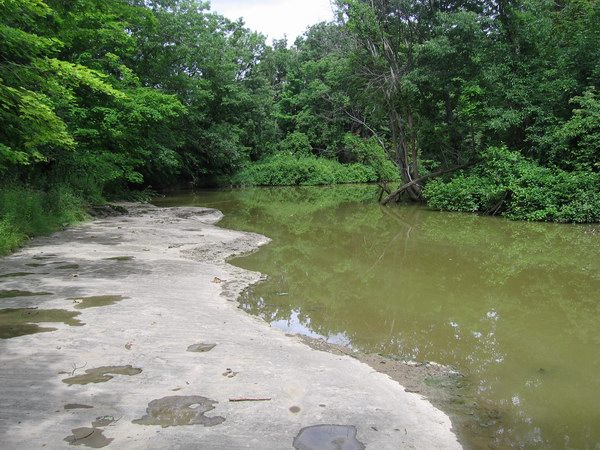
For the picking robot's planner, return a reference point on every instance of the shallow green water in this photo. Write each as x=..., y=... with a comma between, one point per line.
x=514, y=306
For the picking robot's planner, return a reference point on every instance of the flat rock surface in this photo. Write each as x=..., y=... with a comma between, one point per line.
x=154, y=284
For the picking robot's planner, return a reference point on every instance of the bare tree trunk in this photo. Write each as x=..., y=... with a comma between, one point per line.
x=403, y=154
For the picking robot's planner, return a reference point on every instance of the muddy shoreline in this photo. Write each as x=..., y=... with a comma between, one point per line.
x=151, y=356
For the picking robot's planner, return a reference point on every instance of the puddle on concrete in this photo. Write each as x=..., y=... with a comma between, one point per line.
x=120, y=258
x=96, y=301
x=180, y=410
x=23, y=321
x=48, y=256
x=88, y=437
x=102, y=374
x=16, y=274
x=15, y=294
x=103, y=421
x=70, y=406
x=295, y=409
x=328, y=437
x=68, y=266
x=201, y=348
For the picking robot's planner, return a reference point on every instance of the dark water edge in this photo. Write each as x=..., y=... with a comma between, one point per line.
x=514, y=306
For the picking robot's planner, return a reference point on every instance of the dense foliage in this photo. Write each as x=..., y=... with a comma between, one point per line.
x=508, y=183
x=101, y=96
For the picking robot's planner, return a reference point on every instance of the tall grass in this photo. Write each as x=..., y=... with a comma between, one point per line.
x=26, y=212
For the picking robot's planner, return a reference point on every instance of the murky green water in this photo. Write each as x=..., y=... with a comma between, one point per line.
x=514, y=306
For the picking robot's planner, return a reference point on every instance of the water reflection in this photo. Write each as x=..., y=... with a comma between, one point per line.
x=513, y=305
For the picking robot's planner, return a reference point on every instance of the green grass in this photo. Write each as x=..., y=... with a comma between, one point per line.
x=25, y=213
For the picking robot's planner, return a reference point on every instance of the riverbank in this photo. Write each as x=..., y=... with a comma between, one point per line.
x=163, y=358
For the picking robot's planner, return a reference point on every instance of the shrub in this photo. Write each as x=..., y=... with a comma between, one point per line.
x=507, y=183
x=285, y=169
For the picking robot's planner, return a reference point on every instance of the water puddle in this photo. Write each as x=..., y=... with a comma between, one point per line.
x=102, y=374
x=201, y=348
x=36, y=265
x=23, y=321
x=68, y=266
x=96, y=301
x=179, y=411
x=103, y=421
x=16, y=274
x=88, y=437
x=328, y=437
x=120, y=258
x=42, y=257
x=70, y=406
x=91, y=437
x=15, y=294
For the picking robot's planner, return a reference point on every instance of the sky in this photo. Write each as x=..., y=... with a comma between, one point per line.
x=274, y=18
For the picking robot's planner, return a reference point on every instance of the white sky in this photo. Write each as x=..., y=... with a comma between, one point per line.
x=275, y=18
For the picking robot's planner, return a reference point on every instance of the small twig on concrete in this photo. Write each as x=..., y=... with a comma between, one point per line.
x=250, y=399
x=75, y=368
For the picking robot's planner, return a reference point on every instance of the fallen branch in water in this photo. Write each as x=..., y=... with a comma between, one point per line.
x=396, y=194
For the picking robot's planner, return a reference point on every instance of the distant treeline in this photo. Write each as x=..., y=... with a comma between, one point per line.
x=99, y=97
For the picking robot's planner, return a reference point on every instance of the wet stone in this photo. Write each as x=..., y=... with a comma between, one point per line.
x=23, y=321
x=201, y=348
x=97, y=301
x=15, y=294
x=70, y=406
x=179, y=411
x=88, y=437
x=102, y=374
x=328, y=437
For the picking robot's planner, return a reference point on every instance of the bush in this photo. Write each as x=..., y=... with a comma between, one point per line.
x=507, y=183
x=369, y=152
x=285, y=169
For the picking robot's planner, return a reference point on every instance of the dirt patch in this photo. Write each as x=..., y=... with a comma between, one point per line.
x=180, y=410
